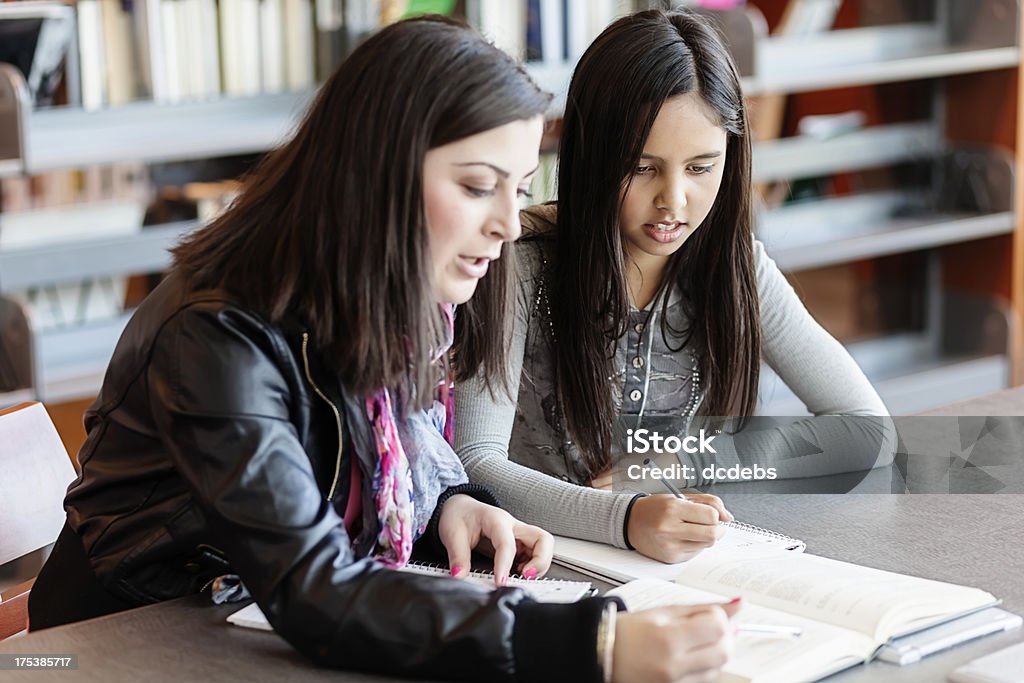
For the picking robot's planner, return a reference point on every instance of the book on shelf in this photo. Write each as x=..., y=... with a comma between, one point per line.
x=117, y=44
x=299, y=35
x=618, y=565
x=240, y=46
x=149, y=50
x=92, y=63
x=331, y=39
x=844, y=612
x=272, y=45
x=504, y=23
x=542, y=590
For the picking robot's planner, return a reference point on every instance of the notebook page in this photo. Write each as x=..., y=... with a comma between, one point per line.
x=250, y=617
x=541, y=590
x=619, y=565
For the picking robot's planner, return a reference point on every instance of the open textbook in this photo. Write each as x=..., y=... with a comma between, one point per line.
x=542, y=590
x=617, y=565
x=846, y=612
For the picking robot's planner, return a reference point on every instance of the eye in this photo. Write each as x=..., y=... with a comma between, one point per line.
x=643, y=170
x=701, y=170
x=524, y=193
x=478, y=191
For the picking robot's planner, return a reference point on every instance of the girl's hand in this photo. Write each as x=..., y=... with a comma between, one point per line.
x=695, y=496
x=672, y=530
x=682, y=643
x=466, y=524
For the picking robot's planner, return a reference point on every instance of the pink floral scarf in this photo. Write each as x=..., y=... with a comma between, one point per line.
x=396, y=491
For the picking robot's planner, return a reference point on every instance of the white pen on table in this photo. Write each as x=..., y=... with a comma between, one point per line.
x=770, y=629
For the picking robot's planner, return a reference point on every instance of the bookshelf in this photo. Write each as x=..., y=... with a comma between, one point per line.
x=138, y=104
x=928, y=186
x=885, y=54
x=153, y=132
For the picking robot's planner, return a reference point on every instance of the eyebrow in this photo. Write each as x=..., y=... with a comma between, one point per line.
x=699, y=157
x=497, y=169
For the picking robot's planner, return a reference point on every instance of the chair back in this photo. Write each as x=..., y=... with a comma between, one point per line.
x=34, y=475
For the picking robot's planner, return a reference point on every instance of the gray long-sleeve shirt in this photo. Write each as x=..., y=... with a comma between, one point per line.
x=517, y=448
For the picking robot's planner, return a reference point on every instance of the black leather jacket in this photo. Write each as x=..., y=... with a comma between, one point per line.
x=212, y=447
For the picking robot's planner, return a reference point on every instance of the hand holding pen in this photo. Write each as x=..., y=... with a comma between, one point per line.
x=675, y=528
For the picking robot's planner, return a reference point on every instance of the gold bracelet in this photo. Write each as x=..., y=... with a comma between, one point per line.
x=606, y=640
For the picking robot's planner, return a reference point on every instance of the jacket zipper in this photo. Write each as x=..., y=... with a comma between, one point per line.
x=334, y=409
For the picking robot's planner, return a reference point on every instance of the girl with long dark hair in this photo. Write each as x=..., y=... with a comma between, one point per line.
x=642, y=292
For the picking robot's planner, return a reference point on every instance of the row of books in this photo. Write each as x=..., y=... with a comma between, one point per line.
x=175, y=50
x=551, y=32
x=124, y=181
x=181, y=50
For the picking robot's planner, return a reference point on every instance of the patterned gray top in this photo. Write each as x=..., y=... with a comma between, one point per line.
x=519, y=450
x=650, y=378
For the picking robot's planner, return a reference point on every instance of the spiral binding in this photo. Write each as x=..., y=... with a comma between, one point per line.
x=441, y=570
x=544, y=590
x=761, y=531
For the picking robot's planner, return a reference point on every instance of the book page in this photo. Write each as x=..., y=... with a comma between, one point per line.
x=877, y=603
x=762, y=658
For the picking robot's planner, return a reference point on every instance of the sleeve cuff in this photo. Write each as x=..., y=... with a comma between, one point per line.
x=477, y=491
x=557, y=642
x=430, y=542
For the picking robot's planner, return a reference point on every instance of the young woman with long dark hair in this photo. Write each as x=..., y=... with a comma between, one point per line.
x=642, y=292
x=277, y=409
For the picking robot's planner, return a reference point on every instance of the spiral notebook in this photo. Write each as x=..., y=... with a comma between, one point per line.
x=541, y=590
x=618, y=566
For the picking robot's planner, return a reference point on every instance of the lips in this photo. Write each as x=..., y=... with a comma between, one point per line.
x=664, y=232
x=473, y=266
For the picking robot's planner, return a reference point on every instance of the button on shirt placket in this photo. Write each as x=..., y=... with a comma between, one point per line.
x=636, y=370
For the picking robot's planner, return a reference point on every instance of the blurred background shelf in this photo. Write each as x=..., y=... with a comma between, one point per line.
x=153, y=132
x=903, y=210
x=144, y=252
x=815, y=234
x=926, y=381
x=71, y=362
x=878, y=146
x=892, y=62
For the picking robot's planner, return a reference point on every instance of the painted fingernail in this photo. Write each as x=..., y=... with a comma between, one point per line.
x=456, y=569
x=530, y=573
x=733, y=601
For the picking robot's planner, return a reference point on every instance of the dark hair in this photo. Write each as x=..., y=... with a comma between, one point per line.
x=617, y=90
x=330, y=228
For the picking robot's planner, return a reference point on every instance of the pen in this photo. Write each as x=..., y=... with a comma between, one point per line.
x=770, y=629
x=669, y=485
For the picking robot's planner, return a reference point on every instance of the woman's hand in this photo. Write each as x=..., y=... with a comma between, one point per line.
x=466, y=524
x=672, y=530
x=678, y=644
